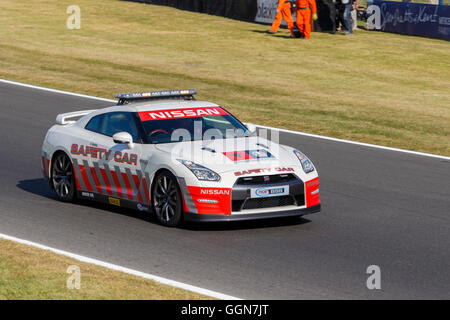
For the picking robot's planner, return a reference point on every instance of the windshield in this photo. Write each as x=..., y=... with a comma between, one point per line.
x=186, y=125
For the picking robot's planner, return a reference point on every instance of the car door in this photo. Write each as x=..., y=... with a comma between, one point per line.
x=117, y=171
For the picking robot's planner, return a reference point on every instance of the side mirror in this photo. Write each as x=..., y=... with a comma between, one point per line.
x=123, y=138
x=251, y=127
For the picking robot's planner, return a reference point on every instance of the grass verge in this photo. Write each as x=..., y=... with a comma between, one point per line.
x=372, y=87
x=31, y=273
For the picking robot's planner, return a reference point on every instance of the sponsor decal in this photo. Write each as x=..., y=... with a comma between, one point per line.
x=246, y=155
x=215, y=191
x=101, y=153
x=267, y=10
x=313, y=184
x=312, y=192
x=269, y=192
x=87, y=195
x=114, y=201
x=259, y=154
x=181, y=113
x=420, y=19
x=141, y=207
x=211, y=200
x=264, y=170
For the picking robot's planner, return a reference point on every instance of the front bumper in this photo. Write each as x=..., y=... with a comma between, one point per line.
x=252, y=216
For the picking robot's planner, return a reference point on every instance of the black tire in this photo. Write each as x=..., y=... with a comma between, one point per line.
x=63, y=178
x=166, y=199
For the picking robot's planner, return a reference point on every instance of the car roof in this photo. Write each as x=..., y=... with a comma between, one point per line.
x=159, y=105
x=170, y=104
x=149, y=106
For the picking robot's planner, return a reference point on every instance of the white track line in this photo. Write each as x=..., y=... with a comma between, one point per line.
x=169, y=282
x=266, y=127
x=55, y=91
x=357, y=143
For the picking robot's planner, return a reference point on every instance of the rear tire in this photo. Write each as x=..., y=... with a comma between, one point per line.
x=63, y=178
x=166, y=199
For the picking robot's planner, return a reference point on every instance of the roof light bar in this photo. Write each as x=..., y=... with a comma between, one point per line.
x=185, y=94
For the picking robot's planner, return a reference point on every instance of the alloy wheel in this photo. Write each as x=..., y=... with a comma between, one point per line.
x=63, y=177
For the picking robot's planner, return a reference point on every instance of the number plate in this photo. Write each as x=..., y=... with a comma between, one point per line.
x=265, y=192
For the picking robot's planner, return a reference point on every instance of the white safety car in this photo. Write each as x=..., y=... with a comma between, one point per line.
x=166, y=153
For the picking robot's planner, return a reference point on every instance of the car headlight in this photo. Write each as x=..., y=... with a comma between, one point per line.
x=201, y=172
x=306, y=163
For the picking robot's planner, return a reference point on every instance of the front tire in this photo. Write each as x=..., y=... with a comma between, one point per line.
x=166, y=199
x=63, y=178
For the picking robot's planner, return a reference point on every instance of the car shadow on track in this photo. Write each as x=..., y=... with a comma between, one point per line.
x=41, y=188
x=243, y=225
x=38, y=187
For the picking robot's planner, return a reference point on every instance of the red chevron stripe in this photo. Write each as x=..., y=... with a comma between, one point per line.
x=107, y=183
x=129, y=190
x=136, y=183
x=85, y=178
x=96, y=181
x=117, y=184
x=147, y=195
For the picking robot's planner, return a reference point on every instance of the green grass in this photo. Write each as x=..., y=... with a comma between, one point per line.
x=31, y=273
x=373, y=87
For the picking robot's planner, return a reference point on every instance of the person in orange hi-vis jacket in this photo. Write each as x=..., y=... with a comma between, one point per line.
x=283, y=12
x=304, y=10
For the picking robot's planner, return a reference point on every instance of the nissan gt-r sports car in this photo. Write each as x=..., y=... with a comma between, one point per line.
x=181, y=159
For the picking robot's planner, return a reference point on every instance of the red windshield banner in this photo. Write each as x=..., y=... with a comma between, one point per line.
x=181, y=113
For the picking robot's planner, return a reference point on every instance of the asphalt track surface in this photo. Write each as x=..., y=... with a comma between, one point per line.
x=380, y=207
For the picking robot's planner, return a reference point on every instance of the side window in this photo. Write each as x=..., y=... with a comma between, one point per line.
x=113, y=122
x=95, y=124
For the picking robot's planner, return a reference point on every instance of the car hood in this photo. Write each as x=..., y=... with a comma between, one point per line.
x=224, y=155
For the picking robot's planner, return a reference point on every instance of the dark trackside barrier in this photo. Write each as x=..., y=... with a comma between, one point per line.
x=326, y=11
x=235, y=9
x=262, y=11
x=416, y=19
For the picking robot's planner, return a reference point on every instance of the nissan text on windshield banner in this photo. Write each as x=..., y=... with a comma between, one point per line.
x=181, y=113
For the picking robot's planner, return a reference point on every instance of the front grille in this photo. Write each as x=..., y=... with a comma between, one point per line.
x=269, y=202
x=236, y=205
x=300, y=200
x=268, y=179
